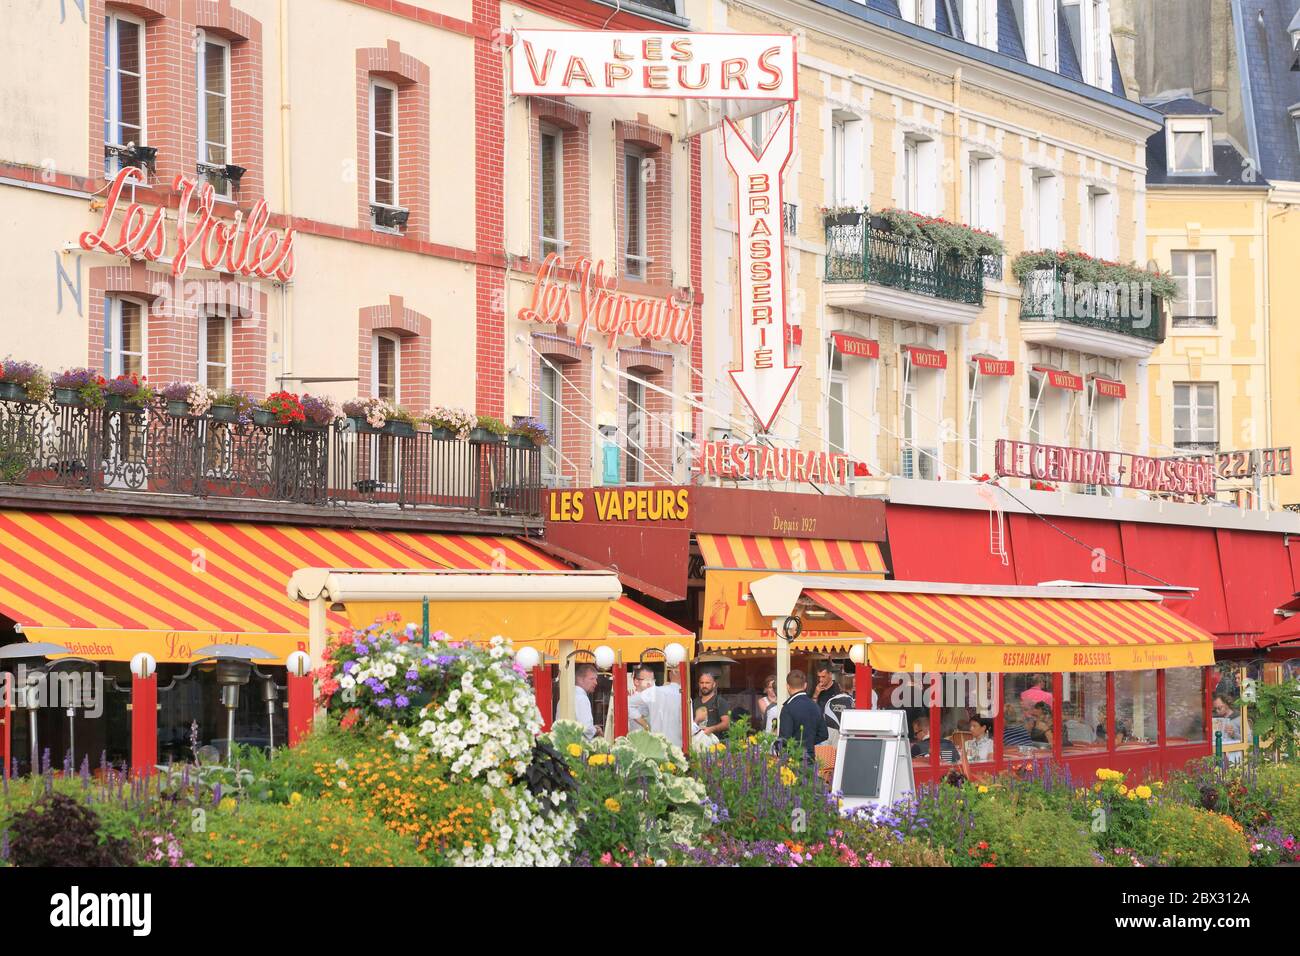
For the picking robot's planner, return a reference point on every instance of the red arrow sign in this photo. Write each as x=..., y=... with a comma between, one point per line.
x=765, y=376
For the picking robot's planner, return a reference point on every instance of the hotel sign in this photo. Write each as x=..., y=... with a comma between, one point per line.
x=1187, y=476
x=672, y=65
x=852, y=346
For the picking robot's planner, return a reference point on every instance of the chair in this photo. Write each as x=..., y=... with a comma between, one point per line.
x=959, y=738
x=825, y=754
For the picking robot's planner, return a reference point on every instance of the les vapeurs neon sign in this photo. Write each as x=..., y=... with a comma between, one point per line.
x=240, y=246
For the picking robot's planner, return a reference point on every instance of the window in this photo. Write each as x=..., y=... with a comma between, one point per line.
x=552, y=176
x=981, y=194
x=634, y=212
x=1083, y=711
x=1047, y=210
x=1194, y=305
x=966, y=709
x=1034, y=423
x=383, y=143
x=123, y=85
x=1135, y=708
x=213, y=112
x=635, y=468
x=979, y=21
x=1189, y=145
x=1099, y=33
x=214, y=351
x=973, y=413
x=1196, y=416
x=920, y=12
x=1038, y=27
x=919, y=174
x=124, y=337
x=1101, y=222
x=1027, y=714
x=836, y=411
x=551, y=396
x=839, y=168
x=385, y=371
x=911, y=175
x=1184, y=705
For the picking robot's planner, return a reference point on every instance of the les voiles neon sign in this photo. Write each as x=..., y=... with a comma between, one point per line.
x=239, y=246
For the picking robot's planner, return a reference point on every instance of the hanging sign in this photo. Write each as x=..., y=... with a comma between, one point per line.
x=720, y=459
x=765, y=375
x=737, y=66
x=1108, y=389
x=927, y=358
x=603, y=307
x=1058, y=379
x=1087, y=466
x=852, y=346
x=236, y=246
x=992, y=366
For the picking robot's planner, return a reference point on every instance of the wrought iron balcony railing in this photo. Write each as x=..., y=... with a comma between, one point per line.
x=53, y=445
x=1125, y=308
x=865, y=250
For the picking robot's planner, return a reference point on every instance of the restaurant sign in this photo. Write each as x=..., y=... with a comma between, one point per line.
x=673, y=65
x=721, y=459
x=238, y=246
x=601, y=306
x=620, y=505
x=1248, y=463
x=1089, y=466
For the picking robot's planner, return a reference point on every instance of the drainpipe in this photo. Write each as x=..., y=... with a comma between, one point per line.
x=286, y=190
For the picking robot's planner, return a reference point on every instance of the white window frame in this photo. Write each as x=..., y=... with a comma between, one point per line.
x=1039, y=30
x=981, y=191
x=920, y=12
x=1093, y=23
x=839, y=161
x=374, y=134
x=113, y=89
x=837, y=379
x=1190, y=320
x=634, y=467
x=1046, y=191
x=1198, y=441
x=219, y=183
x=1202, y=126
x=974, y=411
x=642, y=257
x=204, y=318
x=979, y=21
x=397, y=365
x=1101, y=223
x=550, y=410
x=1034, y=416
x=113, y=334
x=556, y=243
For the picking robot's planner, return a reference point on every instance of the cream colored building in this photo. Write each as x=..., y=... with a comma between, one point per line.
x=1037, y=149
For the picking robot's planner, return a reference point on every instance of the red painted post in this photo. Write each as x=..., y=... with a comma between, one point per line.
x=862, y=687
x=300, y=707
x=144, y=724
x=683, y=676
x=1058, y=720
x=1160, y=711
x=936, y=724
x=999, y=721
x=542, y=694
x=6, y=719
x=619, y=692
x=1110, y=712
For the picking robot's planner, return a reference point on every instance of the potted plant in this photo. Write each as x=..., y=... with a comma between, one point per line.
x=841, y=215
x=528, y=432
x=446, y=424
x=950, y=238
x=279, y=408
x=319, y=412
x=23, y=382
x=399, y=422
x=127, y=393
x=367, y=415
x=80, y=388
x=230, y=406
x=187, y=399
x=487, y=430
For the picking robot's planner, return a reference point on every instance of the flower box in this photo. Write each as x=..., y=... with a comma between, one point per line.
x=114, y=403
x=225, y=413
x=442, y=434
x=263, y=417
x=481, y=436
x=178, y=409
x=69, y=396
x=400, y=429
x=844, y=218
x=309, y=426
x=361, y=426
x=520, y=441
x=12, y=392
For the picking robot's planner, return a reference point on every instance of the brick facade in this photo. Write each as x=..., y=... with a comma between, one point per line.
x=412, y=330
x=575, y=415
x=657, y=428
x=655, y=145
x=575, y=178
x=411, y=77
x=489, y=212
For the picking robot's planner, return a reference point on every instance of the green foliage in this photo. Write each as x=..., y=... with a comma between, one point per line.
x=1025, y=836
x=866, y=837
x=950, y=238
x=1275, y=718
x=309, y=833
x=1188, y=836
x=489, y=424
x=1284, y=781
x=291, y=770
x=1084, y=268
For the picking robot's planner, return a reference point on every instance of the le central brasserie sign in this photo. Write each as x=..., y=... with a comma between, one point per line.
x=1087, y=466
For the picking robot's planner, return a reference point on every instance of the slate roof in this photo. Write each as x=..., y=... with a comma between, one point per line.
x=1184, y=106
x=1270, y=86
x=1230, y=167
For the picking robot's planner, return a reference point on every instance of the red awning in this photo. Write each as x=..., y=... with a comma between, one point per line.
x=1184, y=556
x=927, y=358
x=854, y=346
x=1058, y=379
x=1044, y=554
x=944, y=544
x=1107, y=388
x=1256, y=578
x=994, y=366
x=1286, y=632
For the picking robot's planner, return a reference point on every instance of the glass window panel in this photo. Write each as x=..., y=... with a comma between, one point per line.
x=1184, y=705
x=130, y=327
x=966, y=715
x=1135, y=708
x=1188, y=151
x=386, y=358
x=1083, y=711
x=383, y=109
x=216, y=118
x=835, y=415
x=214, y=62
x=128, y=46
x=634, y=204
x=1027, y=714
x=550, y=175
x=129, y=100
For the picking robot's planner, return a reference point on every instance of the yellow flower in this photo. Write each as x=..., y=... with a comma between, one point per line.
x=983, y=789
x=575, y=750
x=788, y=777
x=612, y=805
x=1132, y=794
x=227, y=804
x=718, y=748
x=295, y=798
x=1122, y=790
x=753, y=739
x=1144, y=792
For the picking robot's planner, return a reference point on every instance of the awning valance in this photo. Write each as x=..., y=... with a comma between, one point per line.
x=736, y=551
x=110, y=587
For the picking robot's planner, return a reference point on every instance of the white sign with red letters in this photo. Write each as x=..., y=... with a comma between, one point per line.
x=638, y=64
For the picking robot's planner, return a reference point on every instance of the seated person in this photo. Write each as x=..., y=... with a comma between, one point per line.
x=699, y=739
x=979, y=749
x=921, y=745
x=1017, y=733
x=1040, y=726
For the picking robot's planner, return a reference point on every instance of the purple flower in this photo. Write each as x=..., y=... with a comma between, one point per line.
x=402, y=700
x=412, y=674
x=349, y=667
x=383, y=702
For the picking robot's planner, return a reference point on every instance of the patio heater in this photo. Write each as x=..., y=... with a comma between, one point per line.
x=27, y=695
x=234, y=665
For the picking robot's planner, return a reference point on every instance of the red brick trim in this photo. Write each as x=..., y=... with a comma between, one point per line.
x=697, y=282
x=586, y=14
x=246, y=89
x=575, y=174
x=657, y=146
x=489, y=202
x=408, y=11
x=413, y=330
x=559, y=349
x=412, y=80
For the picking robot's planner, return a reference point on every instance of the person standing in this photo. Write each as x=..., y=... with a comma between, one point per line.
x=719, y=714
x=765, y=702
x=585, y=679
x=827, y=687
x=653, y=708
x=801, y=719
x=834, y=706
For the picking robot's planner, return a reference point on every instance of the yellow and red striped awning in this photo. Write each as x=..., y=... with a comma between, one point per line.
x=110, y=587
x=789, y=554
x=970, y=632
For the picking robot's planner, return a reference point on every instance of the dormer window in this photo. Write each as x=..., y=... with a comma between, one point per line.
x=1090, y=22
x=1037, y=19
x=920, y=12
x=1189, y=144
x=1295, y=116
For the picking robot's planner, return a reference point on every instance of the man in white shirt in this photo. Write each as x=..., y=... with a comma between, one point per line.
x=656, y=709
x=584, y=681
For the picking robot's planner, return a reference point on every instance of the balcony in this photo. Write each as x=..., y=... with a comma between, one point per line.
x=870, y=269
x=149, y=459
x=1119, y=320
